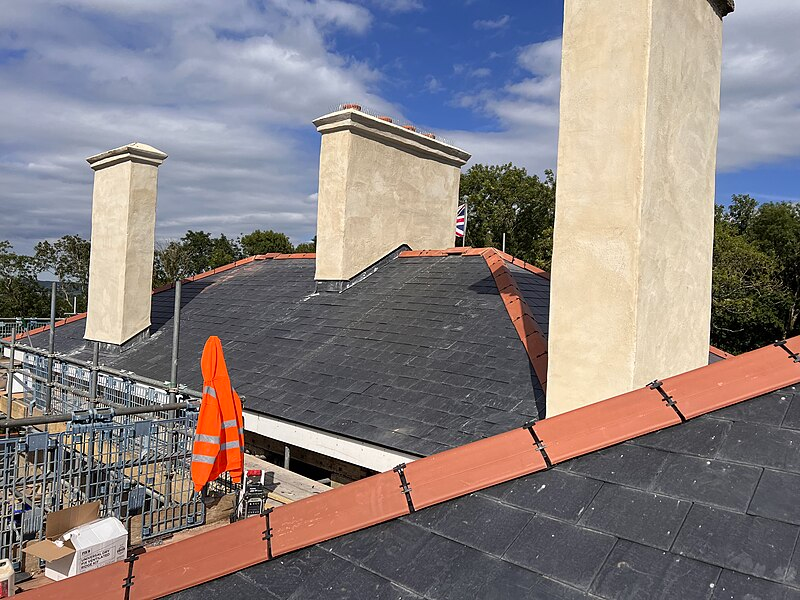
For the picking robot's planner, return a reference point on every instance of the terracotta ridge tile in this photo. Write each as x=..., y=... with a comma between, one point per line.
x=720, y=353
x=528, y=330
x=434, y=479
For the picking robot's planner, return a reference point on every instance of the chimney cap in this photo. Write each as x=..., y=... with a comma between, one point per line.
x=135, y=152
x=377, y=129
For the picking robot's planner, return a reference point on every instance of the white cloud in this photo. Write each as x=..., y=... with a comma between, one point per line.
x=760, y=120
x=498, y=23
x=227, y=89
x=526, y=113
x=400, y=6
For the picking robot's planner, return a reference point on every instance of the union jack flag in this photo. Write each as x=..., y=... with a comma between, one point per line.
x=461, y=220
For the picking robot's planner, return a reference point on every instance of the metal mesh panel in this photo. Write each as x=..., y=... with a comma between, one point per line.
x=139, y=471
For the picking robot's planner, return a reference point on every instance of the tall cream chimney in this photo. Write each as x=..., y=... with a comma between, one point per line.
x=631, y=274
x=123, y=238
x=380, y=186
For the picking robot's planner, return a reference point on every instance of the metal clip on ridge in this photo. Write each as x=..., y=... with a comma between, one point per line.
x=795, y=356
x=668, y=400
x=268, y=531
x=537, y=442
x=404, y=487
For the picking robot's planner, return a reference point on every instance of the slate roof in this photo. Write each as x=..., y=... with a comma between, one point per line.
x=419, y=357
x=706, y=509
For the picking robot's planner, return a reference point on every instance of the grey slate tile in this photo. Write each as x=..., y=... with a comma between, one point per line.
x=626, y=464
x=634, y=572
x=777, y=497
x=482, y=523
x=507, y=582
x=709, y=481
x=769, y=409
x=650, y=519
x=792, y=418
x=555, y=493
x=702, y=436
x=562, y=551
x=762, y=445
x=752, y=545
x=736, y=586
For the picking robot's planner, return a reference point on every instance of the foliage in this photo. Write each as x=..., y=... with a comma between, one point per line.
x=263, y=242
x=307, y=246
x=505, y=199
x=68, y=258
x=748, y=297
x=20, y=292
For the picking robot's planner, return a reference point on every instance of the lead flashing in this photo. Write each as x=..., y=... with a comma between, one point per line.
x=385, y=132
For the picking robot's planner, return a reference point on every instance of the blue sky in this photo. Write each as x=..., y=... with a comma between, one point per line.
x=228, y=90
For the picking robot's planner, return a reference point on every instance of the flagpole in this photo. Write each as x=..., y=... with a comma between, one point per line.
x=466, y=216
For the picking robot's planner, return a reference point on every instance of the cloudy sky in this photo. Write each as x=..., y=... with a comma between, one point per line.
x=228, y=90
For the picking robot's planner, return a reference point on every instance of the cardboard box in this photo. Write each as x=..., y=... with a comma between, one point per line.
x=77, y=541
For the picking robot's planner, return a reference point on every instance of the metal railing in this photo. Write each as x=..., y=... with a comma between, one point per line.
x=22, y=324
x=91, y=432
x=140, y=472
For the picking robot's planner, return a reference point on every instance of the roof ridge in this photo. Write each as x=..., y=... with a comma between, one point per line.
x=528, y=330
x=470, y=251
x=536, y=446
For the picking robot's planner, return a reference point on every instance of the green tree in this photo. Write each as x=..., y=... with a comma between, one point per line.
x=170, y=263
x=748, y=296
x=775, y=229
x=263, y=242
x=307, y=246
x=198, y=246
x=224, y=251
x=505, y=199
x=68, y=258
x=20, y=292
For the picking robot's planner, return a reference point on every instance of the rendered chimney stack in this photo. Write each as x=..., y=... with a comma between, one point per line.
x=380, y=186
x=631, y=272
x=123, y=238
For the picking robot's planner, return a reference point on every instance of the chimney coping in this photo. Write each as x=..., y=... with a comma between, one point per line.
x=134, y=152
x=723, y=7
x=378, y=129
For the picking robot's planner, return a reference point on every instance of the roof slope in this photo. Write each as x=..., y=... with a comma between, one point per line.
x=706, y=509
x=420, y=357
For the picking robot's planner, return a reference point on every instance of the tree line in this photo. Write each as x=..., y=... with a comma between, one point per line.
x=756, y=278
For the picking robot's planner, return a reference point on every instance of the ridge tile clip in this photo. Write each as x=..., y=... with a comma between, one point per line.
x=404, y=486
x=132, y=557
x=795, y=356
x=267, y=532
x=658, y=386
x=537, y=442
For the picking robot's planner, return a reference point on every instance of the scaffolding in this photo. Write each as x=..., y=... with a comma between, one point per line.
x=78, y=431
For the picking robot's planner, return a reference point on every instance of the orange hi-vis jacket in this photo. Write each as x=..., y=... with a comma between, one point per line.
x=219, y=438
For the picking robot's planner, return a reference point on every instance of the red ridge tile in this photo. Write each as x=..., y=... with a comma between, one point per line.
x=520, y=314
x=604, y=424
x=730, y=381
x=342, y=510
x=719, y=353
x=473, y=467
